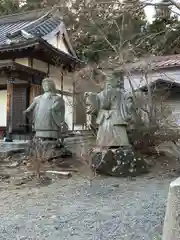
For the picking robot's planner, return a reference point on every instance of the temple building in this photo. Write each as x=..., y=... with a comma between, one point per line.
x=33, y=45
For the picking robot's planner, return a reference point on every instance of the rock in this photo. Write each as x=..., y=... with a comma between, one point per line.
x=10, y=152
x=4, y=176
x=171, y=230
x=59, y=173
x=15, y=164
x=19, y=182
x=121, y=162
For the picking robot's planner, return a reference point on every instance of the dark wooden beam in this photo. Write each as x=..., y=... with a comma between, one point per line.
x=48, y=69
x=3, y=87
x=73, y=105
x=9, y=112
x=62, y=84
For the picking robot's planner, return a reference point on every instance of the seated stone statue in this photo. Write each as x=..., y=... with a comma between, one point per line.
x=48, y=112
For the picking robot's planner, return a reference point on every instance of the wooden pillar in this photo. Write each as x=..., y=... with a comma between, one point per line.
x=9, y=112
x=79, y=109
x=73, y=105
x=35, y=90
x=62, y=87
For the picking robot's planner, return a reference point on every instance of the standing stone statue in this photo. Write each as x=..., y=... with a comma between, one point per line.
x=48, y=112
x=113, y=154
x=113, y=113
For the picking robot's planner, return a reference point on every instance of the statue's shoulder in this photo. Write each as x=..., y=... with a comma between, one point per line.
x=58, y=98
x=37, y=98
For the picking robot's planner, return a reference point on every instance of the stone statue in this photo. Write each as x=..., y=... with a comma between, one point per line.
x=113, y=108
x=113, y=154
x=48, y=112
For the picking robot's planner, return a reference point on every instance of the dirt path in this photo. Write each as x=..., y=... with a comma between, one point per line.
x=116, y=209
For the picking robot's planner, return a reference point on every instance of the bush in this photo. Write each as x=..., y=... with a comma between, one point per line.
x=146, y=139
x=152, y=125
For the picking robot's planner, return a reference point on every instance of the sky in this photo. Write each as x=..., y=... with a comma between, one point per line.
x=150, y=11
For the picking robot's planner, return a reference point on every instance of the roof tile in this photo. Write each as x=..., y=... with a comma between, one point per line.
x=10, y=28
x=153, y=63
x=37, y=26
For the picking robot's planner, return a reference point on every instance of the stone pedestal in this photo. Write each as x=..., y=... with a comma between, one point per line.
x=171, y=230
x=48, y=150
x=120, y=162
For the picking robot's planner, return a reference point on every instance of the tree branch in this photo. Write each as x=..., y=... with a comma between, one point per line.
x=148, y=3
x=170, y=3
x=174, y=3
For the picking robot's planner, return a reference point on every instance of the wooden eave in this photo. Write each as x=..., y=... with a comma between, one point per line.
x=12, y=68
x=42, y=50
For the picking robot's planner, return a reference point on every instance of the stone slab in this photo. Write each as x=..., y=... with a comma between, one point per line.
x=9, y=148
x=171, y=230
x=8, y=153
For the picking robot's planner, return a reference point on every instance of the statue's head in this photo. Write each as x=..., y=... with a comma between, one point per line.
x=115, y=79
x=48, y=85
x=108, y=84
x=118, y=80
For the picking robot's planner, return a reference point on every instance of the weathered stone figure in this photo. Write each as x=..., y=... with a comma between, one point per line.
x=112, y=108
x=48, y=112
x=113, y=154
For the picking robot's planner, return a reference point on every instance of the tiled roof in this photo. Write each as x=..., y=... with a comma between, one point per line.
x=153, y=63
x=37, y=24
x=8, y=28
x=32, y=31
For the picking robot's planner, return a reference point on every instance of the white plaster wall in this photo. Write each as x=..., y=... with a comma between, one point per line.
x=58, y=42
x=174, y=105
x=53, y=41
x=68, y=111
x=23, y=61
x=61, y=45
x=3, y=104
x=55, y=73
x=40, y=65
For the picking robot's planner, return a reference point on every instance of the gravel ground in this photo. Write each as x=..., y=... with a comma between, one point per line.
x=112, y=209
